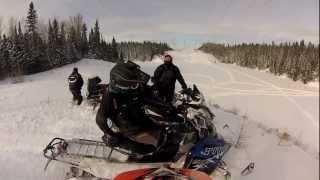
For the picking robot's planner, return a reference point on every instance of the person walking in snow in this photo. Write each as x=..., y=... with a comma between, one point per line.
x=165, y=77
x=75, y=84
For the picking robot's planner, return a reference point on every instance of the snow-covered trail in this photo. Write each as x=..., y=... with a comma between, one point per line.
x=272, y=105
x=273, y=101
x=33, y=112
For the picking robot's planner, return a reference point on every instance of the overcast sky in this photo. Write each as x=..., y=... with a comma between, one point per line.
x=186, y=22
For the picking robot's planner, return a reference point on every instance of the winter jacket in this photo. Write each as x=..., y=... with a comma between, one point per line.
x=75, y=81
x=165, y=77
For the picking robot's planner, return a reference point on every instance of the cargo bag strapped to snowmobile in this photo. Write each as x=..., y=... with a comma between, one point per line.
x=127, y=78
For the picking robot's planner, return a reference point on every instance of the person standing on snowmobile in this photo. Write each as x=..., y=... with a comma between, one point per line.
x=75, y=84
x=165, y=77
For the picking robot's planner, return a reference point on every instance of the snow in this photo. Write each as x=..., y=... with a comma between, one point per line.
x=314, y=84
x=38, y=109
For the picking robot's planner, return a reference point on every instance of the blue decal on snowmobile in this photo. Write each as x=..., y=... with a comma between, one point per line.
x=209, y=147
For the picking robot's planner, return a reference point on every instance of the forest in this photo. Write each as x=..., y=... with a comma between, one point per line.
x=30, y=46
x=297, y=60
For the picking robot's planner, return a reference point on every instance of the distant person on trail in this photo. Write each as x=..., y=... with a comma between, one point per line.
x=75, y=84
x=165, y=77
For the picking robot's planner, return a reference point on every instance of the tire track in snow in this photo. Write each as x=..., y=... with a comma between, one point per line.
x=301, y=109
x=278, y=91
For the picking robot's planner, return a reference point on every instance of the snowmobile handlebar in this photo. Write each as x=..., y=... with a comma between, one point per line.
x=188, y=95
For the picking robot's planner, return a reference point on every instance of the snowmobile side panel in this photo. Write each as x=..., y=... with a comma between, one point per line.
x=210, y=147
x=207, y=155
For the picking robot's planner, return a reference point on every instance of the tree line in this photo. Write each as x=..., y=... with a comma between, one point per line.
x=36, y=47
x=297, y=60
x=142, y=51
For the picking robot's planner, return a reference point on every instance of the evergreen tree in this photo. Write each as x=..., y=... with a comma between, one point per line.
x=35, y=60
x=96, y=40
x=4, y=56
x=91, y=44
x=114, y=50
x=50, y=45
x=32, y=20
x=72, y=54
x=84, y=40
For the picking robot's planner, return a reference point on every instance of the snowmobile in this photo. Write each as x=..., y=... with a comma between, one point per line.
x=201, y=148
x=95, y=91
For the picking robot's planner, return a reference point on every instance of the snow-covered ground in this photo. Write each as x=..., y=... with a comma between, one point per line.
x=33, y=112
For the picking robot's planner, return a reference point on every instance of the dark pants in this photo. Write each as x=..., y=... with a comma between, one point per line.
x=77, y=96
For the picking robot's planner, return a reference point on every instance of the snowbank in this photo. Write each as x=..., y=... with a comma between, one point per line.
x=314, y=84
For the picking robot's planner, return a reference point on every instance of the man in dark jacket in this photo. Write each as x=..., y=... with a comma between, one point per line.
x=75, y=85
x=165, y=77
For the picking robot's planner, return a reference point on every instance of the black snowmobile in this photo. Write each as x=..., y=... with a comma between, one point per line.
x=190, y=128
x=95, y=91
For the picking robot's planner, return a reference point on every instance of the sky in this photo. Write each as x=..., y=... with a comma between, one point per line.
x=185, y=23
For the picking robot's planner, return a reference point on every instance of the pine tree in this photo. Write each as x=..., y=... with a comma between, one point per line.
x=91, y=44
x=61, y=45
x=96, y=40
x=72, y=54
x=31, y=20
x=35, y=58
x=17, y=51
x=114, y=50
x=57, y=56
x=4, y=56
x=50, y=45
x=84, y=40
